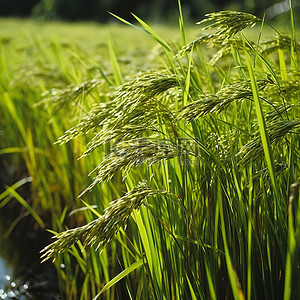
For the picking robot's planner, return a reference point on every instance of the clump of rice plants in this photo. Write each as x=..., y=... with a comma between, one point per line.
x=202, y=156
x=225, y=222
x=219, y=134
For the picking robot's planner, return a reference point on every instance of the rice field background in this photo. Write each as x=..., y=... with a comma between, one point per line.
x=164, y=160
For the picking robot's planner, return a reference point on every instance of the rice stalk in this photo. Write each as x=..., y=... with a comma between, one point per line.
x=236, y=92
x=281, y=41
x=226, y=48
x=227, y=24
x=90, y=123
x=132, y=153
x=133, y=104
x=264, y=173
x=100, y=231
x=72, y=93
x=253, y=150
x=293, y=245
x=127, y=132
x=286, y=88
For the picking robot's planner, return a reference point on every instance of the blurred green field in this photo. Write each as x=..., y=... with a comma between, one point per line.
x=194, y=139
x=89, y=37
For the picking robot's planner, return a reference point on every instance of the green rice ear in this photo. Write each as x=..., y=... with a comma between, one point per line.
x=228, y=24
x=277, y=129
x=100, y=231
x=128, y=154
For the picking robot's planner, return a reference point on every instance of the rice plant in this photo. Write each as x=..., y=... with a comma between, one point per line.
x=228, y=158
x=201, y=156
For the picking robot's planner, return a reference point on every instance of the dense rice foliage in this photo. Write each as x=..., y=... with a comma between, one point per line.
x=193, y=148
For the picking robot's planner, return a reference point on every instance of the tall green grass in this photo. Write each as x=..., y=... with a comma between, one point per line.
x=193, y=190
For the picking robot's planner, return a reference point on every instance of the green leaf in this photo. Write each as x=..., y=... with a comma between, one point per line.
x=120, y=276
x=261, y=122
x=25, y=204
x=150, y=31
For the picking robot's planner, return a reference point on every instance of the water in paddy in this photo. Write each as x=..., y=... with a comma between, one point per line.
x=5, y=277
x=22, y=276
x=9, y=288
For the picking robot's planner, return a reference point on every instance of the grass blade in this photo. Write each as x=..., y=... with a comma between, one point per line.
x=24, y=203
x=150, y=31
x=120, y=276
x=261, y=122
